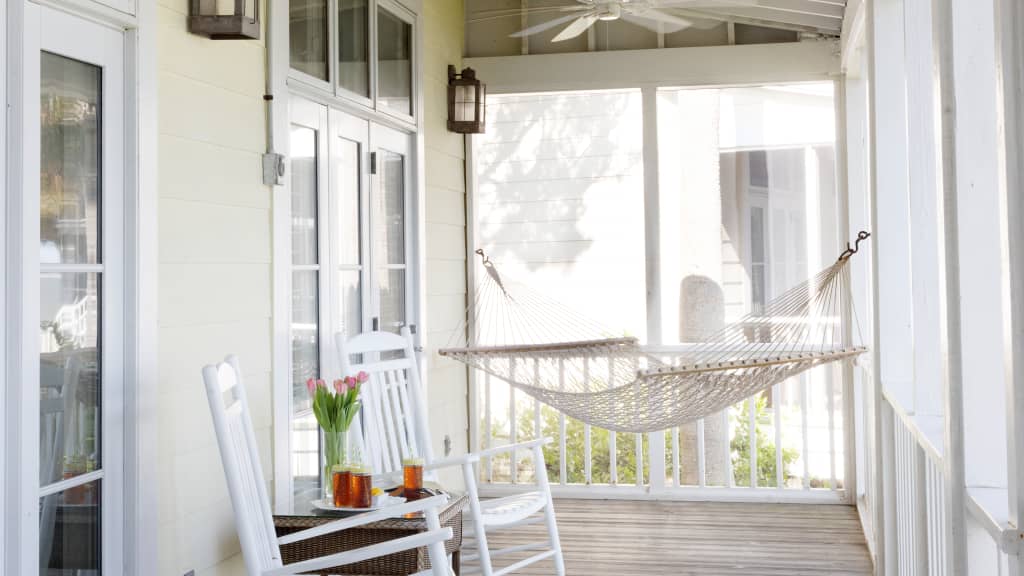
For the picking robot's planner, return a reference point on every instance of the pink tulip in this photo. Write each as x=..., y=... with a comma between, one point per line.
x=321, y=384
x=339, y=386
x=362, y=377
x=311, y=386
x=350, y=382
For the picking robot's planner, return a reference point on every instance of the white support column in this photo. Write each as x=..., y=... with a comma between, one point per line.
x=877, y=482
x=652, y=227
x=949, y=269
x=1010, y=74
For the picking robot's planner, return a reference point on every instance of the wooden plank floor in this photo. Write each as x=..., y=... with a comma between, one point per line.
x=700, y=539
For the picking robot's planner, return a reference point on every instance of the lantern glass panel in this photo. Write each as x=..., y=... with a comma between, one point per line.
x=353, y=46
x=465, y=103
x=308, y=34
x=394, y=65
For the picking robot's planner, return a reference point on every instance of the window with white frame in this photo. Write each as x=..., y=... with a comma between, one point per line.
x=359, y=50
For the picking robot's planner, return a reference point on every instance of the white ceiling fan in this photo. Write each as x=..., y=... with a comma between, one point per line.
x=651, y=14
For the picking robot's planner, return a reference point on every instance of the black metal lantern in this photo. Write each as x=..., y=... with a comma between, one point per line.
x=467, y=106
x=225, y=19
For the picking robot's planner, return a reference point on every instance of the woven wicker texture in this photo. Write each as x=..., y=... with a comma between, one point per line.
x=402, y=563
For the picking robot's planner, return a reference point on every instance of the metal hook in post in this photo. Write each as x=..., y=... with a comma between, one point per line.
x=851, y=250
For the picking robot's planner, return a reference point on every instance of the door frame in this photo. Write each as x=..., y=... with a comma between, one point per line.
x=333, y=123
x=140, y=280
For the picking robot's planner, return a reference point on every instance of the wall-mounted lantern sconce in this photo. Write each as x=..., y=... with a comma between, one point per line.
x=225, y=19
x=467, y=106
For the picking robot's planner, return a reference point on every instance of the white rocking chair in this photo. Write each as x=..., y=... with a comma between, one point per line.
x=395, y=420
x=255, y=524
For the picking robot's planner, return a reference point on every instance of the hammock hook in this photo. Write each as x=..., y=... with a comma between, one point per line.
x=493, y=272
x=850, y=251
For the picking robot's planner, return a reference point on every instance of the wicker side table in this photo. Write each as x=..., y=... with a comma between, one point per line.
x=399, y=564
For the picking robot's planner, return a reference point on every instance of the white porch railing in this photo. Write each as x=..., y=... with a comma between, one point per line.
x=798, y=425
x=918, y=533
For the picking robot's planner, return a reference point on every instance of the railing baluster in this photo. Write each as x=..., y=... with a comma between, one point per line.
x=586, y=427
x=562, y=468
x=777, y=409
x=639, y=459
x=536, y=411
x=513, y=435
x=803, y=428
x=612, y=456
x=752, y=431
x=701, y=455
x=830, y=391
x=675, y=457
x=488, y=467
x=730, y=481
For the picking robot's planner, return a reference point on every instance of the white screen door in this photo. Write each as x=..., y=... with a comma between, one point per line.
x=72, y=320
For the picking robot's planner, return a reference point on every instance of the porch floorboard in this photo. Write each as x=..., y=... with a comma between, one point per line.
x=699, y=539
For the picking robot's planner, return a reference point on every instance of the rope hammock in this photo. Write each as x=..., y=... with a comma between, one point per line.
x=606, y=379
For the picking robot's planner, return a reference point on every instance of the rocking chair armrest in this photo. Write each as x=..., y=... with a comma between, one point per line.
x=365, y=518
x=360, y=554
x=452, y=461
x=517, y=446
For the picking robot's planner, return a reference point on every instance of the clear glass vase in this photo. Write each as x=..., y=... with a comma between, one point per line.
x=335, y=446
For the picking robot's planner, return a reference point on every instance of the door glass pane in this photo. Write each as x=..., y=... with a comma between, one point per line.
x=307, y=24
x=305, y=336
x=353, y=46
x=351, y=309
x=69, y=531
x=394, y=62
x=304, y=195
x=347, y=202
x=70, y=168
x=69, y=376
x=390, y=208
x=392, y=299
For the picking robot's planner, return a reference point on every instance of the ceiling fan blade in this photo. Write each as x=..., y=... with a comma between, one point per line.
x=705, y=4
x=576, y=28
x=544, y=26
x=658, y=21
x=484, y=15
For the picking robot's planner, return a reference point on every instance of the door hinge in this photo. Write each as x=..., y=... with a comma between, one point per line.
x=373, y=162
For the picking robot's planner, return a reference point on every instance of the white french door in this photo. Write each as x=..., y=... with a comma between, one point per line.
x=71, y=322
x=351, y=214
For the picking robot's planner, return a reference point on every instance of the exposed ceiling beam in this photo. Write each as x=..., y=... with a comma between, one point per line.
x=812, y=7
x=769, y=15
x=750, y=21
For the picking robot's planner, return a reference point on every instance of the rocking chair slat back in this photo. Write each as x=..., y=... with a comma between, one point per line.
x=394, y=411
x=240, y=455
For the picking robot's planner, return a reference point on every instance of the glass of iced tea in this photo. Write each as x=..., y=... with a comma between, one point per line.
x=412, y=477
x=340, y=485
x=360, y=487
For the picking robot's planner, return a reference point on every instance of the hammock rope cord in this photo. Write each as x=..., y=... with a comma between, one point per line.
x=606, y=379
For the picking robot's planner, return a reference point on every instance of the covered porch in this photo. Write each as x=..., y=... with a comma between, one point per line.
x=655, y=171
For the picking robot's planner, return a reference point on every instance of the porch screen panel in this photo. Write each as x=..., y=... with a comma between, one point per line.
x=560, y=208
x=748, y=210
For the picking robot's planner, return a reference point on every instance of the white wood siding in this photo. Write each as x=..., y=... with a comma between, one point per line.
x=215, y=277
x=445, y=221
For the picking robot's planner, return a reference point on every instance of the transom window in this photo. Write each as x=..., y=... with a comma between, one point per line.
x=360, y=50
